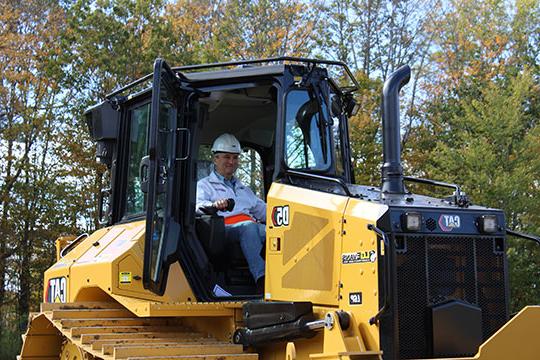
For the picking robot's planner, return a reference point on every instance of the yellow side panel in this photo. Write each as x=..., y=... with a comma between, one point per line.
x=94, y=268
x=109, y=263
x=304, y=244
x=359, y=267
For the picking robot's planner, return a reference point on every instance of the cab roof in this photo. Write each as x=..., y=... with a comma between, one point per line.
x=236, y=73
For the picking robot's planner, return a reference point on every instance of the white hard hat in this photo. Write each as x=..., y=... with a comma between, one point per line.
x=226, y=143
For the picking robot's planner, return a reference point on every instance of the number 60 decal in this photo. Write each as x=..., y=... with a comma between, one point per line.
x=280, y=215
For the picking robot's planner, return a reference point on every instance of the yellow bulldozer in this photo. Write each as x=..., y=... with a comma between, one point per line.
x=352, y=272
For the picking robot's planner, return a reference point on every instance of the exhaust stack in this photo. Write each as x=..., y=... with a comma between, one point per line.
x=392, y=170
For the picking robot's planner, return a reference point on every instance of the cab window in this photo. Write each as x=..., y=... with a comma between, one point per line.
x=306, y=136
x=250, y=169
x=138, y=137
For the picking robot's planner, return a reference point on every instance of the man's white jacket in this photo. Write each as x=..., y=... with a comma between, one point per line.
x=212, y=188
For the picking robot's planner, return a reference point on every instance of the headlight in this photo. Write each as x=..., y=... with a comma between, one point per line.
x=488, y=223
x=411, y=221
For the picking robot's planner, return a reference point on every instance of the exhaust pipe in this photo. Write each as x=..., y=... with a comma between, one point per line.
x=392, y=170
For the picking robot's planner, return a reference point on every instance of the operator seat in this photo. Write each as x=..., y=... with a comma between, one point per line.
x=227, y=258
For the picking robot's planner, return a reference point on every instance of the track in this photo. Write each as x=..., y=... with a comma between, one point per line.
x=108, y=331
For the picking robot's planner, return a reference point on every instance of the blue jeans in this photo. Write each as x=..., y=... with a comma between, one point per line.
x=251, y=236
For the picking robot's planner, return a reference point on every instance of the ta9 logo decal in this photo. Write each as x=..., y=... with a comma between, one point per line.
x=448, y=223
x=57, y=290
x=280, y=215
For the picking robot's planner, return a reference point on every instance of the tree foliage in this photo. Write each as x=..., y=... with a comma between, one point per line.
x=36, y=191
x=480, y=126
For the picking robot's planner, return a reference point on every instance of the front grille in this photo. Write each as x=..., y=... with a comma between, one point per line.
x=435, y=268
x=431, y=224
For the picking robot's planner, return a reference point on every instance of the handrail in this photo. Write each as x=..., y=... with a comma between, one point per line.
x=460, y=198
x=178, y=69
x=387, y=276
x=72, y=244
x=523, y=235
x=274, y=59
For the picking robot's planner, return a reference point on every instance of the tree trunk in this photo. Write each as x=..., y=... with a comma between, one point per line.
x=23, y=300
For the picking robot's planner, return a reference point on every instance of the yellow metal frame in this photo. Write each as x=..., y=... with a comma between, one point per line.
x=93, y=270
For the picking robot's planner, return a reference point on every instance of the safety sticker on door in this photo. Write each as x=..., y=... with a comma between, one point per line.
x=125, y=277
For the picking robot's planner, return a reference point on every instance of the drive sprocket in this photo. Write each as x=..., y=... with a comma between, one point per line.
x=70, y=351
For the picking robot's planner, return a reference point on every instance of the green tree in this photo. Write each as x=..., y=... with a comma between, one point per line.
x=497, y=163
x=364, y=128
x=479, y=123
x=33, y=183
x=266, y=28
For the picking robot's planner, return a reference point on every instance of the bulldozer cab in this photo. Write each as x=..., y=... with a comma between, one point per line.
x=291, y=120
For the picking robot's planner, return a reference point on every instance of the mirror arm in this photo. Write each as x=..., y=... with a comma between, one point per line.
x=523, y=235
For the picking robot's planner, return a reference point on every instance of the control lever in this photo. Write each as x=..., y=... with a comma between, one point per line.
x=212, y=209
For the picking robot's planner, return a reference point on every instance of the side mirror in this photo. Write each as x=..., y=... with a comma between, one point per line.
x=351, y=106
x=335, y=108
x=102, y=121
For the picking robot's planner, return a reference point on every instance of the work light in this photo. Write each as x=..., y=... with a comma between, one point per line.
x=488, y=223
x=411, y=221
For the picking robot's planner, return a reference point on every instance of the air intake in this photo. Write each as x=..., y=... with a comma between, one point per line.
x=392, y=171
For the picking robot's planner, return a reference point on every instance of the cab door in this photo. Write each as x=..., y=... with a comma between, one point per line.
x=159, y=178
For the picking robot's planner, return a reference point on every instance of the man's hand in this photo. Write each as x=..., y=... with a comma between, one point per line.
x=221, y=204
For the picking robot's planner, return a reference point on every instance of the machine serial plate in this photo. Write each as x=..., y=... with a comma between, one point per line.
x=355, y=298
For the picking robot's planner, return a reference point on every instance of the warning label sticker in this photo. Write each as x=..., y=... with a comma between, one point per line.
x=125, y=277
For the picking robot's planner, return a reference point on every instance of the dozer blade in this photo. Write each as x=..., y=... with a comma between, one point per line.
x=517, y=339
x=107, y=331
